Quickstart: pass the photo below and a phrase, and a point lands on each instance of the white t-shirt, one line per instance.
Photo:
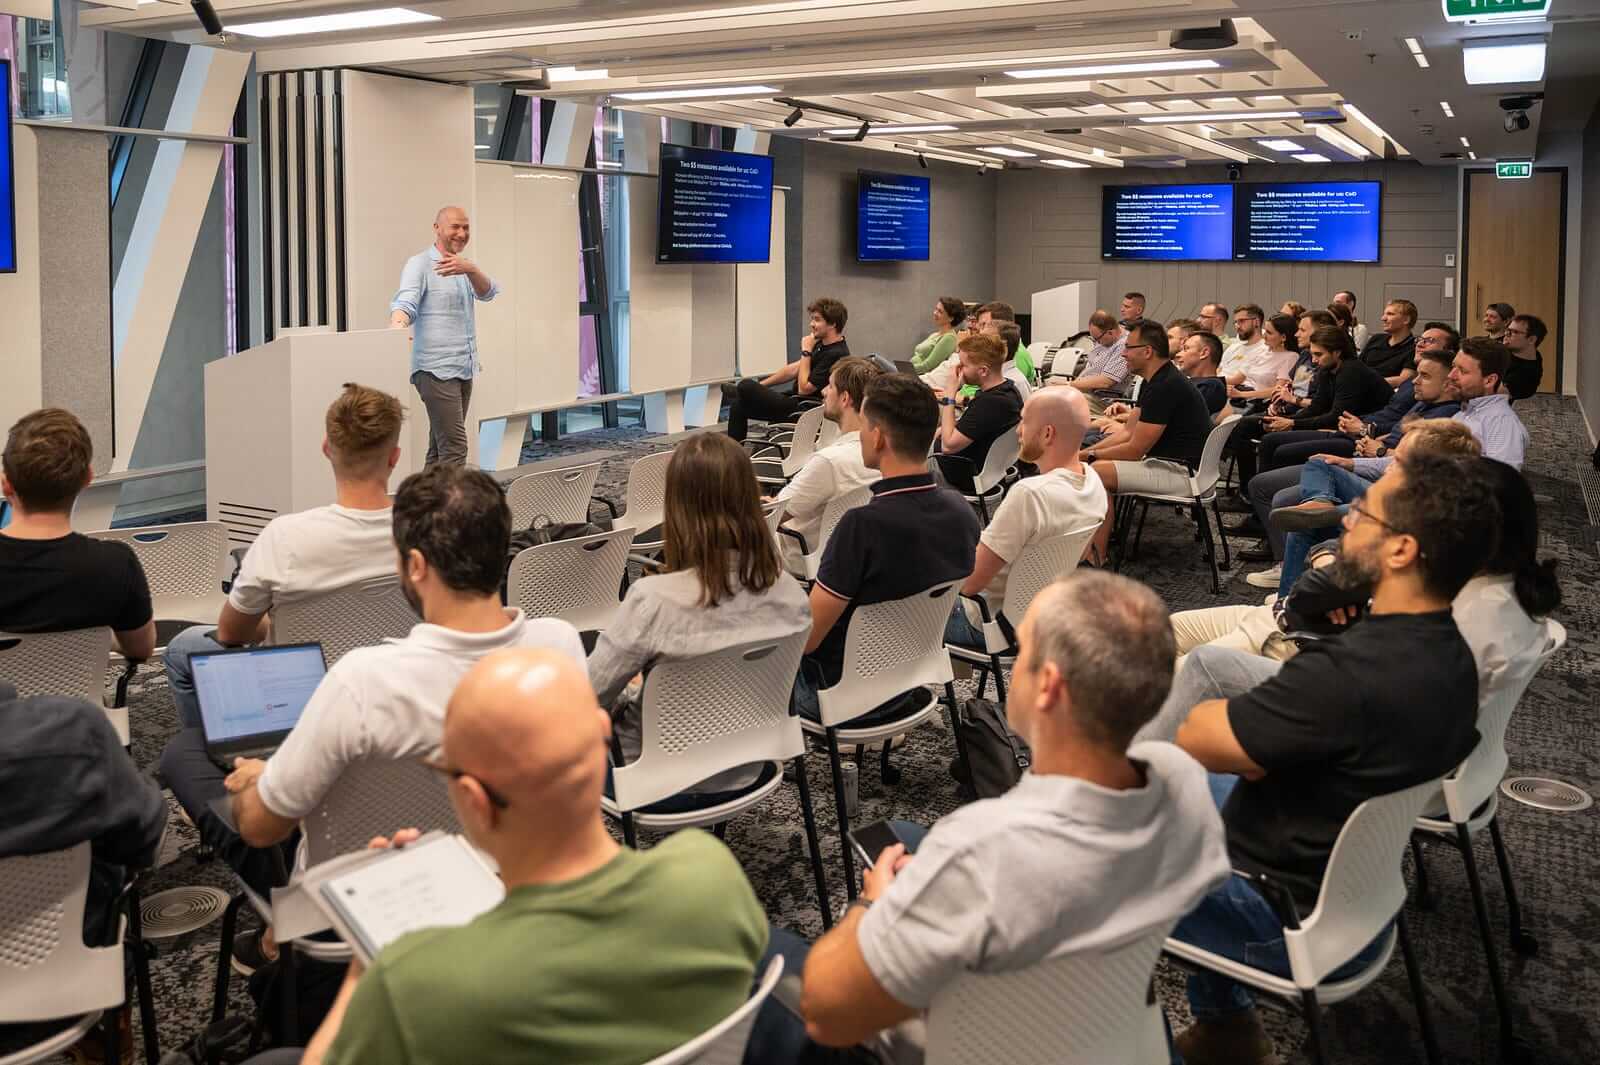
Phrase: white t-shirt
(1505, 641)
(1265, 367)
(313, 551)
(1239, 355)
(830, 472)
(388, 702)
(1035, 509)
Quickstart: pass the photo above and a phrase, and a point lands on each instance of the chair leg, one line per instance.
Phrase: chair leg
(1521, 941)
(812, 842)
(983, 680)
(999, 679)
(230, 920)
(1425, 899)
(1204, 522)
(720, 830)
(1138, 537)
(1313, 1014)
(141, 978)
(955, 729)
(844, 814)
(289, 997)
(629, 835)
(1430, 1041)
(1227, 552)
(887, 773)
(1497, 982)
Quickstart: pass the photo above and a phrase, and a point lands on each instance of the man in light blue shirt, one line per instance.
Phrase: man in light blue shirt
(437, 291)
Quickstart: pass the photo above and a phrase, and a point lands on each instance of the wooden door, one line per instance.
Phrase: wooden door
(1515, 253)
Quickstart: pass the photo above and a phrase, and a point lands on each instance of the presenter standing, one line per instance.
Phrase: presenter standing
(437, 291)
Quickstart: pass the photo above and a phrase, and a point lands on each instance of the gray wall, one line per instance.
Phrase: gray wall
(1049, 223)
(1589, 274)
(891, 304)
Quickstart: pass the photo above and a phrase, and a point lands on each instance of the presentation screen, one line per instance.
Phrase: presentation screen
(714, 207)
(1167, 222)
(8, 206)
(891, 217)
(1322, 221)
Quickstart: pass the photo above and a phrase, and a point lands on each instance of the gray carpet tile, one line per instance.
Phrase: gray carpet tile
(1557, 992)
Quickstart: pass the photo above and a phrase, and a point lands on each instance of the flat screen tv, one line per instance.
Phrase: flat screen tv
(892, 213)
(1167, 222)
(1308, 222)
(714, 206)
(8, 184)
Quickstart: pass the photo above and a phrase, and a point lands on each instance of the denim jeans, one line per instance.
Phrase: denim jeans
(180, 674)
(1209, 672)
(1296, 546)
(961, 631)
(1327, 483)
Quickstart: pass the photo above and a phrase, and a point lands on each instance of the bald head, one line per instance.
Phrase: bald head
(1053, 423)
(451, 230)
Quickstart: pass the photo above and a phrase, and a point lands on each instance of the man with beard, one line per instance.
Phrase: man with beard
(993, 409)
(451, 531)
(438, 288)
(1063, 497)
(1294, 748)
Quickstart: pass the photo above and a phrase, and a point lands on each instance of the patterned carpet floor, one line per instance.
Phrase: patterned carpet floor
(1557, 992)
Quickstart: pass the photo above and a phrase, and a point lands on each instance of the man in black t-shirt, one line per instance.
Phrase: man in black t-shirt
(1199, 359)
(910, 537)
(993, 411)
(820, 348)
(51, 578)
(1389, 704)
(1393, 352)
(1160, 444)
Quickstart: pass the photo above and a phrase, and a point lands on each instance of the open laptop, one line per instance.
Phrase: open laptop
(251, 697)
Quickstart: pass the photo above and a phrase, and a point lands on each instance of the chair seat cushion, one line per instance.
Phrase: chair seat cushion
(690, 801)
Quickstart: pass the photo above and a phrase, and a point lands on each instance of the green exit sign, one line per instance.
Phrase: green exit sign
(1494, 10)
(1514, 169)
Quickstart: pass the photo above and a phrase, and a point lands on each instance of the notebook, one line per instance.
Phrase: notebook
(251, 697)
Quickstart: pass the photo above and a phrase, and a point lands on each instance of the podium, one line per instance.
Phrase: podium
(1063, 311)
(265, 421)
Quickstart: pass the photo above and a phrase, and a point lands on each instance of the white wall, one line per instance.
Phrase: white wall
(19, 292)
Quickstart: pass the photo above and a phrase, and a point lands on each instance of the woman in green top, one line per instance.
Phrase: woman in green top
(948, 313)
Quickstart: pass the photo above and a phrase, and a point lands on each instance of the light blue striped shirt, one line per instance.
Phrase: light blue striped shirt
(444, 330)
(1497, 427)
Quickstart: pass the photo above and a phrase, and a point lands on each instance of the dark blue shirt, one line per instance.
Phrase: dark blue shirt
(1419, 410)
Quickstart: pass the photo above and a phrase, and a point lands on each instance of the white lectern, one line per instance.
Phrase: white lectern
(265, 410)
(1063, 311)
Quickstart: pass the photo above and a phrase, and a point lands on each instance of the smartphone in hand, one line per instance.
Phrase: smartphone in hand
(870, 840)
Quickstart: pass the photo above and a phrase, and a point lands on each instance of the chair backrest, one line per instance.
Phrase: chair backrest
(180, 561)
(570, 578)
(710, 713)
(1040, 563)
(373, 798)
(834, 511)
(57, 663)
(725, 1044)
(889, 649)
(45, 970)
(1003, 453)
(1362, 888)
(828, 433)
(560, 495)
(645, 500)
(1088, 1008)
(1476, 779)
(1206, 477)
(808, 429)
(362, 614)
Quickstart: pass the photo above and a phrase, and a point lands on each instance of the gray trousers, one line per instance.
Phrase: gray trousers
(446, 401)
(1209, 672)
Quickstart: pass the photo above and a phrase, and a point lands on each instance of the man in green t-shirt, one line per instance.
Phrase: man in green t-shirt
(598, 954)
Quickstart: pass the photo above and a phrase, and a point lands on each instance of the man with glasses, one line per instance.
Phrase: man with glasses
(1244, 359)
(1295, 747)
(1214, 318)
(1522, 338)
(1106, 368)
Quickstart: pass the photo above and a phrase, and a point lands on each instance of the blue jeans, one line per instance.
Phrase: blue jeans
(1236, 922)
(1296, 546)
(962, 632)
(180, 674)
(1324, 482)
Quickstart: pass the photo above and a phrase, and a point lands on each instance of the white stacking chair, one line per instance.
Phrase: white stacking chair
(185, 566)
(890, 649)
(989, 481)
(360, 614)
(559, 495)
(784, 460)
(835, 510)
(705, 715)
(62, 663)
(1036, 566)
(1471, 800)
(644, 501)
(1088, 1008)
(578, 580)
(1202, 490)
(46, 972)
(725, 1044)
(1363, 890)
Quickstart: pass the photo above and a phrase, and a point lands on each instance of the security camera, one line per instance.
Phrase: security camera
(1516, 109)
(1234, 171)
(1516, 121)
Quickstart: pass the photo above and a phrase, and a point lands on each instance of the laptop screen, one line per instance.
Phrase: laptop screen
(255, 691)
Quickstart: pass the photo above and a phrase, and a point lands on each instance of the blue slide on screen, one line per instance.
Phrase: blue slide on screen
(1324, 221)
(892, 212)
(714, 206)
(8, 207)
(1167, 222)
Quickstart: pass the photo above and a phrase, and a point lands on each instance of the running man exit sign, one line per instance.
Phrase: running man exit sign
(1514, 169)
(1494, 10)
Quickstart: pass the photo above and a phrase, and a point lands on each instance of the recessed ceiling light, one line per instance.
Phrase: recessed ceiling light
(555, 74)
(1422, 60)
(1313, 157)
(1101, 152)
(1444, 105)
(348, 20)
(1281, 145)
(1009, 153)
(699, 94)
(1465, 143)
(1472, 155)
(1067, 164)
(480, 147)
(1503, 60)
(1342, 141)
(1411, 43)
(1105, 69)
(1273, 96)
(1235, 116)
(894, 129)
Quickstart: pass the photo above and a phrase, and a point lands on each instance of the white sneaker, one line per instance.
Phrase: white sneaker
(1267, 578)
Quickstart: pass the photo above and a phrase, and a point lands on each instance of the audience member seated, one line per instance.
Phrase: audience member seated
(1131, 309)
(1099, 844)
(1161, 443)
(51, 578)
(1522, 337)
(1199, 359)
(1243, 361)
(1293, 308)
(1009, 334)
(1477, 373)
(1289, 397)
(1295, 748)
(1106, 368)
(821, 347)
(1358, 332)
(990, 316)
(911, 536)
(1179, 330)
(834, 470)
(723, 585)
(948, 315)
(1262, 372)
(1215, 318)
(314, 551)
(1497, 318)
(989, 415)
(598, 953)
(990, 319)
(1390, 352)
(1063, 497)
(452, 529)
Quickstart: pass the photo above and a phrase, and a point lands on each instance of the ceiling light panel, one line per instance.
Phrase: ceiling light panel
(1281, 145)
(1232, 116)
(1422, 60)
(1067, 164)
(1313, 157)
(1009, 153)
(929, 128)
(1112, 69)
(348, 20)
(1342, 141)
(713, 93)
(1503, 60)
(559, 74)
(1444, 105)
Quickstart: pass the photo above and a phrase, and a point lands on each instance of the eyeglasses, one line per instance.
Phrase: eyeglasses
(1130, 347)
(1358, 510)
(1510, 332)
(453, 773)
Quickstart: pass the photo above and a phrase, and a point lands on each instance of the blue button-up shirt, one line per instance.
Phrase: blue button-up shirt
(444, 331)
(1500, 433)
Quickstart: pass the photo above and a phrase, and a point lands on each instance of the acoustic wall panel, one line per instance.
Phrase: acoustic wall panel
(660, 301)
(763, 333)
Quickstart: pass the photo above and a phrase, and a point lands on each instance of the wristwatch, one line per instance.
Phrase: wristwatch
(1382, 451)
(860, 901)
(947, 401)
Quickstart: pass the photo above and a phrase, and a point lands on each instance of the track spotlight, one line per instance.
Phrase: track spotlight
(794, 116)
(922, 160)
(861, 134)
(207, 16)
(983, 171)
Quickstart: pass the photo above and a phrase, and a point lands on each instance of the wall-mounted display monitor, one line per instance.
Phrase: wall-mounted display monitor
(714, 207)
(8, 184)
(892, 212)
(1167, 222)
(1312, 221)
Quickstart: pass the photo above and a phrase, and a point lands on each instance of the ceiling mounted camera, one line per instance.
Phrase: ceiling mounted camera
(1516, 109)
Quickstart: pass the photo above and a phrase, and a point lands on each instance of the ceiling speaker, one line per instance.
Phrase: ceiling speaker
(1206, 38)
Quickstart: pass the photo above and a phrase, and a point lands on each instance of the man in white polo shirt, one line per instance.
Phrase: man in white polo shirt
(834, 470)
